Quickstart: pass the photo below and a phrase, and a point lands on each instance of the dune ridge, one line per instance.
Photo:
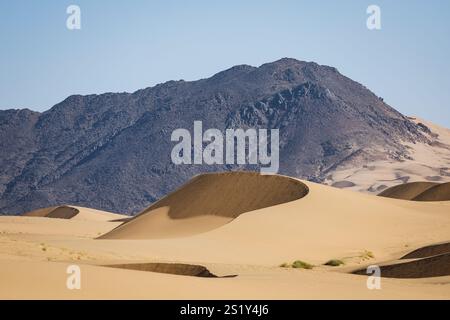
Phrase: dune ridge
(419, 191)
(407, 191)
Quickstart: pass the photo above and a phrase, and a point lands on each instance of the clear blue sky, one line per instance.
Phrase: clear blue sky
(128, 45)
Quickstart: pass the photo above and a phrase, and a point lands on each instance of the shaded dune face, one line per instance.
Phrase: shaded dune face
(429, 251)
(429, 261)
(407, 191)
(207, 202)
(60, 212)
(435, 266)
(181, 269)
(230, 194)
(419, 191)
(439, 192)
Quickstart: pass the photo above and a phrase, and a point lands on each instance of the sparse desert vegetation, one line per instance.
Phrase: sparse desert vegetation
(366, 255)
(334, 263)
(297, 264)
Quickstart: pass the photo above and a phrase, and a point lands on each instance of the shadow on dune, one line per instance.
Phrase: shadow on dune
(60, 212)
(429, 251)
(121, 219)
(181, 269)
(436, 266)
(419, 191)
(431, 261)
(440, 192)
(407, 191)
(230, 194)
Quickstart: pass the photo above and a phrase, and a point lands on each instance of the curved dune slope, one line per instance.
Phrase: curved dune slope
(407, 191)
(74, 212)
(440, 192)
(207, 202)
(328, 223)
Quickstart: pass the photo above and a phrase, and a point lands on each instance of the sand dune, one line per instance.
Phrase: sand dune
(327, 223)
(407, 191)
(73, 212)
(429, 251)
(181, 269)
(439, 192)
(61, 212)
(419, 191)
(435, 266)
(207, 202)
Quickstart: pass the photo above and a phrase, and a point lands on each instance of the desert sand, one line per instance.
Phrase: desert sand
(225, 236)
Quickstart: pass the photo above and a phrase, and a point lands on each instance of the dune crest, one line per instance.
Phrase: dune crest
(207, 202)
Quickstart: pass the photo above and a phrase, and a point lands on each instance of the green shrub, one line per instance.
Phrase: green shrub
(301, 265)
(334, 262)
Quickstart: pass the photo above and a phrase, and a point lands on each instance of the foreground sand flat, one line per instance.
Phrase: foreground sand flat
(255, 283)
(326, 223)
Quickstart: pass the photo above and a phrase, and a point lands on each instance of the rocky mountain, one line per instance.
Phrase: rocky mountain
(112, 151)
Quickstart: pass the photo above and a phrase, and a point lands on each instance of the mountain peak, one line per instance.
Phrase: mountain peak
(287, 62)
(233, 72)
